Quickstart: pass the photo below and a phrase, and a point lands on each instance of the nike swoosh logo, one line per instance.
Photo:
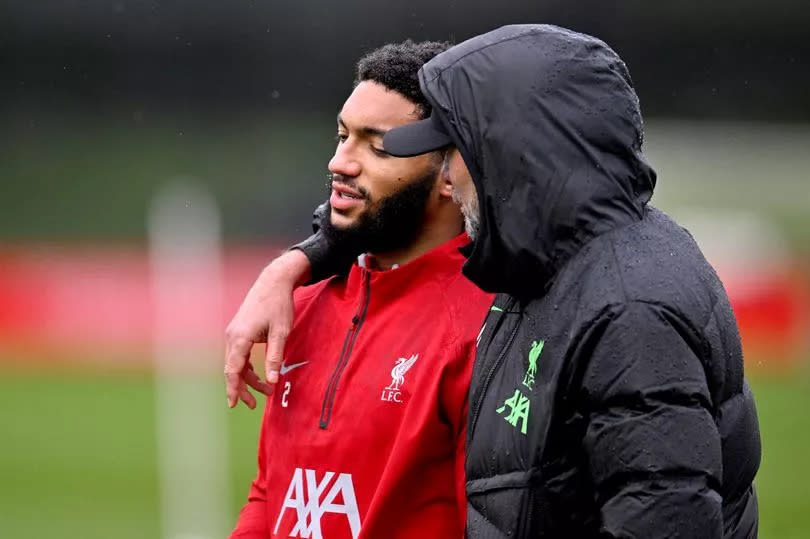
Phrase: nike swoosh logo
(287, 368)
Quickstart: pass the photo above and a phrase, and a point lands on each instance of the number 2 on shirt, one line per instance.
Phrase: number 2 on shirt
(287, 387)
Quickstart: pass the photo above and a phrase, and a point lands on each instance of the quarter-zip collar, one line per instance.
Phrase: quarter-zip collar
(392, 282)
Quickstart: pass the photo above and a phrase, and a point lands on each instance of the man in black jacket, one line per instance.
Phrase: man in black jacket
(608, 397)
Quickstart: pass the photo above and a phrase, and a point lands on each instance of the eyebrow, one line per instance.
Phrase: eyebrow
(365, 130)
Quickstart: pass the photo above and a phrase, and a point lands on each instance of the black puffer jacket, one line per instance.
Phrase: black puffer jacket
(608, 397)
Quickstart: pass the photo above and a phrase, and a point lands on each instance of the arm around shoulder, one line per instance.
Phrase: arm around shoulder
(266, 315)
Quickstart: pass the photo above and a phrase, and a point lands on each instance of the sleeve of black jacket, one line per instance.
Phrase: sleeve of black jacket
(651, 441)
(325, 259)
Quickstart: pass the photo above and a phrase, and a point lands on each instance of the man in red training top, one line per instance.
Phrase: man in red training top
(364, 436)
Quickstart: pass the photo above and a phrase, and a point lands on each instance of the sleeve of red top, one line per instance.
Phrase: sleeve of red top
(454, 391)
(252, 522)
(461, 477)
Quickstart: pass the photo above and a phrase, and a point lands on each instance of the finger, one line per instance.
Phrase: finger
(247, 398)
(237, 355)
(274, 356)
(255, 382)
(232, 388)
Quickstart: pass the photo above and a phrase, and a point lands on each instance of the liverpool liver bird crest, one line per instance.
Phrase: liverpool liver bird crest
(399, 370)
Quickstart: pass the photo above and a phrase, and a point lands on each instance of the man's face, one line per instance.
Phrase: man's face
(377, 199)
(464, 193)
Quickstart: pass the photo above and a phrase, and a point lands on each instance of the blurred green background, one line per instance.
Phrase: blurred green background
(103, 103)
(80, 454)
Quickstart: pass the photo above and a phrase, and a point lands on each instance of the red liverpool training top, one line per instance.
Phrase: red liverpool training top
(364, 435)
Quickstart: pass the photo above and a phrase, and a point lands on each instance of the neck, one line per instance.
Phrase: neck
(431, 236)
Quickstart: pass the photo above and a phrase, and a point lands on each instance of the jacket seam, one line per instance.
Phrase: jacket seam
(675, 312)
(450, 309)
(502, 41)
(704, 346)
(612, 310)
(619, 271)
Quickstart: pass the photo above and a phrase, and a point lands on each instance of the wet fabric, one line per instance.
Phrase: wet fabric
(608, 397)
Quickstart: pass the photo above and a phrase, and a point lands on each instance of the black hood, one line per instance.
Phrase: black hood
(549, 125)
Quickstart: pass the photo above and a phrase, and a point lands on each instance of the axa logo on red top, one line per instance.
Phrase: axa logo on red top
(305, 496)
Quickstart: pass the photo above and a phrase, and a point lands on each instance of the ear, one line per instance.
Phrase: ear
(445, 187)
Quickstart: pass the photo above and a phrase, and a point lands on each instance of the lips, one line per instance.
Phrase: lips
(344, 197)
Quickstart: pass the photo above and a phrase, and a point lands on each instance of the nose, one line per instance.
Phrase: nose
(344, 161)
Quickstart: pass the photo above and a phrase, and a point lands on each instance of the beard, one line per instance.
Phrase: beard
(471, 212)
(388, 224)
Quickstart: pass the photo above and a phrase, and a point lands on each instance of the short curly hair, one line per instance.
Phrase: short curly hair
(396, 65)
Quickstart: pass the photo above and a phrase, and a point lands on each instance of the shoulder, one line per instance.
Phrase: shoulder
(639, 348)
(304, 295)
(465, 305)
(654, 261)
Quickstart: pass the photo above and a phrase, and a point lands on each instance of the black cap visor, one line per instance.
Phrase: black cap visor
(416, 138)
